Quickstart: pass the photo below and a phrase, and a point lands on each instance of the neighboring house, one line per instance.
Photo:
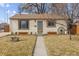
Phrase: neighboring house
(75, 26)
(39, 24)
(4, 27)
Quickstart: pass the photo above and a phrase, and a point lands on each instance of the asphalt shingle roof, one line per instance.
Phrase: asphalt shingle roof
(38, 16)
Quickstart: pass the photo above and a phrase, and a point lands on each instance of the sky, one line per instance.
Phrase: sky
(7, 10)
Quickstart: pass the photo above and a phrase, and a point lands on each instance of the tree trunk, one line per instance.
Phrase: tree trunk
(70, 35)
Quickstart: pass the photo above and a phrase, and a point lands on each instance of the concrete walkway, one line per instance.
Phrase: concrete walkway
(4, 33)
(40, 49)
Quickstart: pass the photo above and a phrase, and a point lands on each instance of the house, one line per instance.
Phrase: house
(4, 27)
(75, 26)
(38, 24)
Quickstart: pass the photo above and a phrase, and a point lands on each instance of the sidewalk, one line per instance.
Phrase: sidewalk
(40, 49)
(4, 33)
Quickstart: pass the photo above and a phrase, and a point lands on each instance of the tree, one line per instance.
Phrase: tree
(59, 8)
(34, 8)
(72, 12)
(67, 9)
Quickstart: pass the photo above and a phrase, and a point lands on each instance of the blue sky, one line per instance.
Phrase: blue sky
(7, 10)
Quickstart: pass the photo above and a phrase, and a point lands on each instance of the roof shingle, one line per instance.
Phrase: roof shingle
(38, 16)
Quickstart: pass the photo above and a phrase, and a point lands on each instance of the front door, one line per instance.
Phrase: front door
(40, 27)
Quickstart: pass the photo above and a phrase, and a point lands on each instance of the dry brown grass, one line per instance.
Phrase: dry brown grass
(62, 45)
(22, 48)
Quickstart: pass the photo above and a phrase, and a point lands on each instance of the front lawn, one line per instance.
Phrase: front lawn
(24, 47)
(61, 45)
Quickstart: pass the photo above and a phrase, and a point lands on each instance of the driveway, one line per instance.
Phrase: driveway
(4, 33)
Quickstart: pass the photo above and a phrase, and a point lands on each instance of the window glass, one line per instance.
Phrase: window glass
(23, 24)
(51, 23)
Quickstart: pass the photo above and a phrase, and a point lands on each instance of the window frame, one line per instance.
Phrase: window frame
(51, 25)
(19, 24)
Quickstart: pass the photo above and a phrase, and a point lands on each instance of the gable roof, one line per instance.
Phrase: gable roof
(38, 16)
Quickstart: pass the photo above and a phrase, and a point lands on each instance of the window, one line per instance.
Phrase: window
(51, 23)
(23, 24)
